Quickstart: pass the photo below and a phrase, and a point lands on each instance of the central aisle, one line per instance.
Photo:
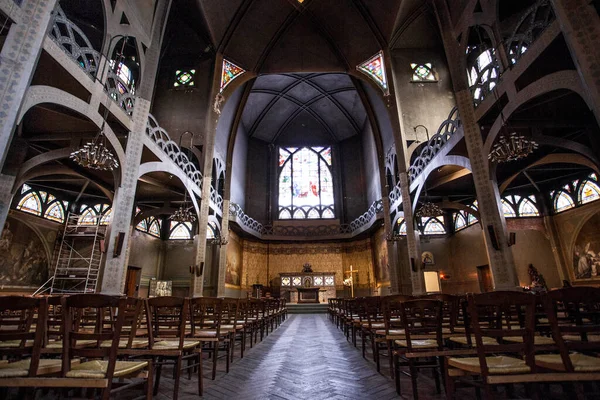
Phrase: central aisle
(306, 358)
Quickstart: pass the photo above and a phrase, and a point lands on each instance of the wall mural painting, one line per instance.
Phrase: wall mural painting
(586, 253)
(23, 259)
(233, 273)
(382, 267)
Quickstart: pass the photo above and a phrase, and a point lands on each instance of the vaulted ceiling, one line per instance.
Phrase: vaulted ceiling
(286, 108)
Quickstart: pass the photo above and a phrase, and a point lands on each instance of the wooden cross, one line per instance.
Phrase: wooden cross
(352, 271)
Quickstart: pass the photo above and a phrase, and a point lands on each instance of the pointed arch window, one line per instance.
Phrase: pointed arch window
(434, 226)
(459, 222)
(150, 225)
(305, 183)
(180, 230)
(154, 228)
(562, 201)
(507, 209)
(31, 203)
(55, 212)
(95, 214)
(401, 226)
(527, 207)
(588, 192)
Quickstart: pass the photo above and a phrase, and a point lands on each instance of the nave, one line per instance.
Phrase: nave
(305, 358)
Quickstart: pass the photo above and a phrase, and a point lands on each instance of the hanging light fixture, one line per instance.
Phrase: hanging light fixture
(96, 155)
(511, 147)
(184, 213)
(429, 209)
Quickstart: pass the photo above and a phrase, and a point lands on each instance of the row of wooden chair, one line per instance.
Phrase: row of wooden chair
(498, 338)
(91, 340)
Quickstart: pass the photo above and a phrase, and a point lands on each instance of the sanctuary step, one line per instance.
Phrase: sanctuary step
(294, 308)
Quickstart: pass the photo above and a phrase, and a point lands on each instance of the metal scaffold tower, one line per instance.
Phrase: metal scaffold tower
(79, 258)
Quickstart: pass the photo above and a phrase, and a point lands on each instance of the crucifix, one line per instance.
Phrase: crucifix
(352, 271)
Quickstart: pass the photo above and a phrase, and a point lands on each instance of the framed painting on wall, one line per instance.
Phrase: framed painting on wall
(586, 252)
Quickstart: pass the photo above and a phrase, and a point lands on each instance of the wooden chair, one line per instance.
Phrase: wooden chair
(498, 362)
(393, 328)
(206, 325)
(101, 366)
(22, 329)
(167, 317)
(371, 320)
(422, 324)
(574, 317)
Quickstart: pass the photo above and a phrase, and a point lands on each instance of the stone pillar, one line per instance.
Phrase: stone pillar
(580, 25)
(115, 268)
(412, 239)
(208, 150)
(6, 195)
(500, 256)
(412, 235)
(223, 249)
(18, 60)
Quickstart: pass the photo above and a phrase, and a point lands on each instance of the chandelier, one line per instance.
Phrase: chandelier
(183, 214)
(511, 147)
(96, 155)
(428, 209)
(218, 240)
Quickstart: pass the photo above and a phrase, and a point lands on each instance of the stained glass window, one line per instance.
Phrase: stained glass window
(527, 208)
(305, 183)
(89, 217)
(483, 73)
(589, 192)
(562, 201)
(296, 281)
(180, 230)
(25, 188)
(286, 281)
(154, 228)
(210, 234)
(507, 209)
(422, 72)
(329, 281)
(55, 212)
(31, 204)
(184, 78)
(434, 227)
(318, 281)
(142, 226)
(229, 73)
(459, 222)
(374, 68)
(401, 226)
(106, 217)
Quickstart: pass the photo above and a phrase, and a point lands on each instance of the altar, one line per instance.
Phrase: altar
(305, 287)
(308, 294)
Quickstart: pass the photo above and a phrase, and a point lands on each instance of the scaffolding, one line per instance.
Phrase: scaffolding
(79, 258)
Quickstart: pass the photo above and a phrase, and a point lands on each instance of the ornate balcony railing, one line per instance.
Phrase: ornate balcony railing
(395, 194)
(74, 42)
(448, 128)
(216, 198)
(159, 136)
(235, 210)
(530, 26)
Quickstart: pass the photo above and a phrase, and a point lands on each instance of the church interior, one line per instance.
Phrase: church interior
(252, 176)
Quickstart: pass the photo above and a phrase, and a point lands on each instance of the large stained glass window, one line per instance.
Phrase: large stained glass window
(305, 183)
(527, 208)
(42, 204)
(180, 230)
(31, 203)
(433, 226)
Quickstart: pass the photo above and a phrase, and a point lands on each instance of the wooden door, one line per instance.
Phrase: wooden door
(485, 279)
(132, 283)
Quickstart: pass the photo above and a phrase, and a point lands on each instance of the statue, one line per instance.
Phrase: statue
(307, 268)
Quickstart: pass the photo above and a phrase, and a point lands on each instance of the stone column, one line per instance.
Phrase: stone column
(412, 235)
(115, 268)
(18, 60)
(580, 25)
(412, 239)
(500, 256)
(223, 249)
(208, 150)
